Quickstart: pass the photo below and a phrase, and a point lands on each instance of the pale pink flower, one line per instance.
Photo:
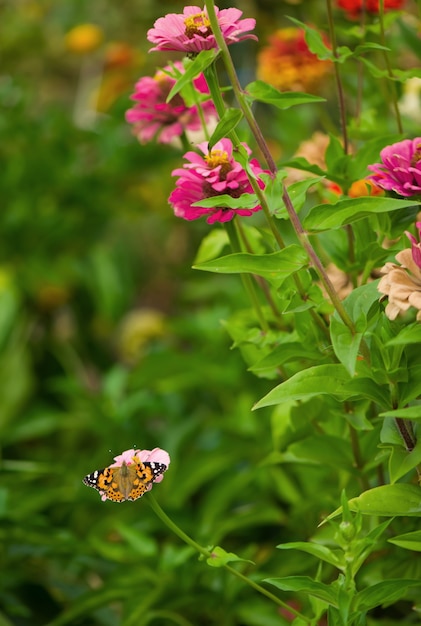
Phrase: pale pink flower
(402, 284)
(152, 116)
(157, 455)
(191, 32)
(400, 169)
(214, 174)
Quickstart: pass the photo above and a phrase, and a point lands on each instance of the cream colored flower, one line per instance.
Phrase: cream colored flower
(402, 284)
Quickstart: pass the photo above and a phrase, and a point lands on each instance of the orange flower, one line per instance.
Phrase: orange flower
(287, 63)
(364, 187)
(402, 284)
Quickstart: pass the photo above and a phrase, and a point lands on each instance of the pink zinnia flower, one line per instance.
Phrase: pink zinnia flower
(191, 31)
(400, 169)
(214, 174)
(153, 116)
(415, 245)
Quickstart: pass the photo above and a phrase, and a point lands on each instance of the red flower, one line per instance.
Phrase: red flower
(354, 7)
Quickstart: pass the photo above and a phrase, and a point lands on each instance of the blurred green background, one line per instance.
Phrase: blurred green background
(109, 340)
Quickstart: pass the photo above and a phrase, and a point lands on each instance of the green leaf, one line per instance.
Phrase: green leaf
(220, 558)
(407, 334)
(285, 352)
(297, 193)
(409, 413)
(408, 541)
(389, 500)
(226, 124)
(313, 381)
(314, 41)
(305, 584)
(345, 344)
(193, 69)
(301, 163)
(245, 201)
(263, 92)
(212, 245)
(387, 591)
(402, 462)
(275, 267)
(326, 216)
(321, 552)
(322, 450)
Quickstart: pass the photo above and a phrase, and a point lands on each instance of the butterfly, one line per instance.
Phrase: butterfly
(129, 481)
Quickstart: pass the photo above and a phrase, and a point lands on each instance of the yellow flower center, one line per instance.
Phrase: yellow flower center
(197, 24)
(219, 157)
(416, 156)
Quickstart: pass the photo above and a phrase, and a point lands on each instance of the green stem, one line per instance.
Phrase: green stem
(246, 278)
(339, 86)
(209, 555)
(248, 114)
(389, 68)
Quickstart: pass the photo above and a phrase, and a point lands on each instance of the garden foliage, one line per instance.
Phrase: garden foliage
(211, 254)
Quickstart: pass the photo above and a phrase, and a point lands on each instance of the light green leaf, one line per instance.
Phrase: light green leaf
(389, 500)
(193, 69)
(326, 216)
(226, 124)
(408, 541)
(220, 558)
(212, 245)
(305, 584)
(313, 381)
(245, 201)
(263, 92)
(275, 267)
(409, 413)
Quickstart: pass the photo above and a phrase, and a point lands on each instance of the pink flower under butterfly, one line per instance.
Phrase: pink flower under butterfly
(153, 117)
(132, 474)
(191, 32)
(214, 174)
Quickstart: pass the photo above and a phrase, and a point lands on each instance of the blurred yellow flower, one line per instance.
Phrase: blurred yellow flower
(84, 38)
(137, 329)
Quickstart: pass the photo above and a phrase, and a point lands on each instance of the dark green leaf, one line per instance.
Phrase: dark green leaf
(387, 591)
(325, 216)
(193, 69)
(305, 584)
(226, 124)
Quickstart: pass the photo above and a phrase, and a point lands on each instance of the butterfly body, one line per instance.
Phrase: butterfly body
(129, 481)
